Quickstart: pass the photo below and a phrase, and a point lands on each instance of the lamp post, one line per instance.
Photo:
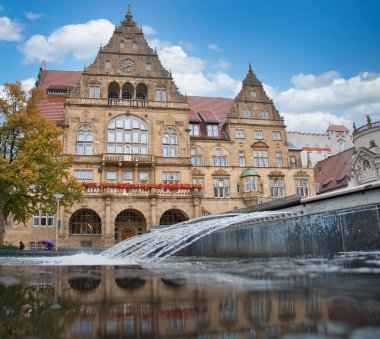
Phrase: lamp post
(58, 197)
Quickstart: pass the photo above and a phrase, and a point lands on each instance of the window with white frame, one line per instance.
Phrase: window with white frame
(264, 115)
(276, 135)
(171, 177)
(83, 175)
(221, 187)
(32, 246)
(276, 186)
(196, 158)
(160, 94)
(219, 159)
(212, 130)
(84, 142)
(239, 134)
(148, 66)
(199, 181)
(144, 177)
(250, 184)
(169, 143)
(246, 113)
(122, 44)
(128, 177)
(107, 64)
(258, 134)
(134, 45)
(302, 186)
(279, 159)
(253, 94)
(292, 162)
(111, 177)
(241, 158)
(194, 130)
(260, 158)
(43, 219)
(94, 92)
(40, 246)
(127, 134)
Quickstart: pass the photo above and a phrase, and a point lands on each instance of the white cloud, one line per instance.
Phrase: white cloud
(32, 16)
(190, 74)
(28, 84)
(10, 30)
(81, 40)
(317, 100)
(148, 30)
(214, 47)
(222, 64)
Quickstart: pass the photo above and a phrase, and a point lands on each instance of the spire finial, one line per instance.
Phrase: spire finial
(129, 13)
(249, 66)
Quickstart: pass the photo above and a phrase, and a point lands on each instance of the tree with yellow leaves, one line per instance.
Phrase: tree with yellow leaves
(32, 167)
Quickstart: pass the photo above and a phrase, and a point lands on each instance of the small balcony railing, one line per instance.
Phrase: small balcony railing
(128, 102)
(128, 158)
(368, 126)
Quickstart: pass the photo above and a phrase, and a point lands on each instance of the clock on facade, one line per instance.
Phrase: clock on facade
(128, 65)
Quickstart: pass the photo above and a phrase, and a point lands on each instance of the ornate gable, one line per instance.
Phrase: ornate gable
(259, 144)
(195, 172)
(301, 173)
(221, 173)
(276, 173)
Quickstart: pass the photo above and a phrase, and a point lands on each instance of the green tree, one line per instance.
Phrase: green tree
(32, 167)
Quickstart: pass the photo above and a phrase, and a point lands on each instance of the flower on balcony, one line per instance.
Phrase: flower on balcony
(144, 187)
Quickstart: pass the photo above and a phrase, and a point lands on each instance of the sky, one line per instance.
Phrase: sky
(319, 60)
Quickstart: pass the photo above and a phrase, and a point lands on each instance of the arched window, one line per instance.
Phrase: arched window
(169, 143)
(171, 217)
(113, 90)
(85, 221)
(127, 134)
(127, 91)
(141, 92)
(85, 140)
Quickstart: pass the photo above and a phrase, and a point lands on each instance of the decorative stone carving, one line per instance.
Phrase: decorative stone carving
(220, 172)
(276, 173)
(259, 144)
(196, 172)
(301, 173)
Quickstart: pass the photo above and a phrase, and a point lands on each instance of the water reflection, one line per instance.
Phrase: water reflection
(125, 301)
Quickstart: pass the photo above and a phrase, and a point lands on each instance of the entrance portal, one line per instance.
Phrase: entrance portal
(129, 223)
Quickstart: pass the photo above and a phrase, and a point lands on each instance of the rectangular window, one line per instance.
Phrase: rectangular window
(260, 158)
(276, 186)
(32, 246)
(221, 187)
(302, 187)
(107, 64)
(144, 177)
(196, 160)
(212, 130)
(111, 177)
(43, 219)
(219, 161)
(258, 134)
(276, 135)
(264, 115)
(148, 66)
(246, 113)
(171, 178)
(160, 94)
(239, 134)
(199, 181)
(83, 175)
(128, 177)
(279, 159)
(293, 162)
(241, 159)
(94, 92)
(194, 130)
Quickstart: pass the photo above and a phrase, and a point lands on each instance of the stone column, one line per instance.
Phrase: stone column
(196, 203)
(136, 174)
(153, 199)
(109, 232)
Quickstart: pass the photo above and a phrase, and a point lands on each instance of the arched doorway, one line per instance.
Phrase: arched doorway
(129, 223)
(171, 217)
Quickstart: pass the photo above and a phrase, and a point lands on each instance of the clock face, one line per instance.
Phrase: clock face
(128, 65)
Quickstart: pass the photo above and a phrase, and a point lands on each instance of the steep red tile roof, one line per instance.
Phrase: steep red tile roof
(219, 106)
(194, 117)
(337, 128)
(209, 117)
(52, 106)
(327, 149)
(332, 173)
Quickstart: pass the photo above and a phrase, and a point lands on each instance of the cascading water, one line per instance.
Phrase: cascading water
(162, 243)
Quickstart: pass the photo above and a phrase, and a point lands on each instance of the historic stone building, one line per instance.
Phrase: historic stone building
(141, 148)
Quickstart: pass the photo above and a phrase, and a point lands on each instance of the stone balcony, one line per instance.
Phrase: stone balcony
(123, 159)
(139, 192)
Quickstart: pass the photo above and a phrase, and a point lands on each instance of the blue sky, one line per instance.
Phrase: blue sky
(319, 60)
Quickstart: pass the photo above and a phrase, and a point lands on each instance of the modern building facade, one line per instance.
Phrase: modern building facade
(148, 155)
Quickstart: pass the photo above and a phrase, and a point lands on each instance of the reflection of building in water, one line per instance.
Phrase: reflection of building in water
(121, 301)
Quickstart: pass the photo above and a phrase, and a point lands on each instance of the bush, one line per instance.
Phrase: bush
(8, 247)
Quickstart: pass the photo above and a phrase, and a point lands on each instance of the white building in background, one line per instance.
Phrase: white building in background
(319, 146)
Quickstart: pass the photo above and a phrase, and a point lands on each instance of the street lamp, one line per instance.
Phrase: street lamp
(58, 197)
